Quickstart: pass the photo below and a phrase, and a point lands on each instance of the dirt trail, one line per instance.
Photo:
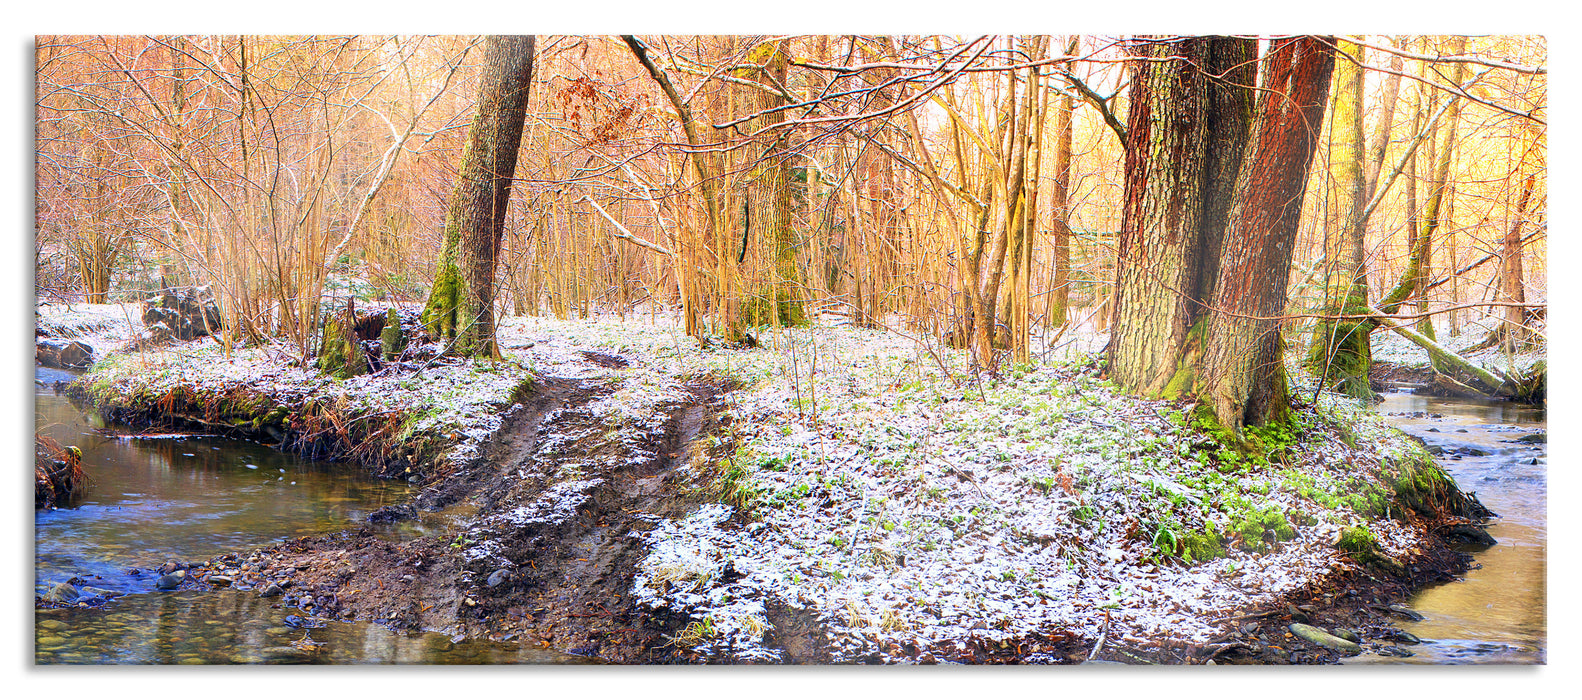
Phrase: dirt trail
(541, 549)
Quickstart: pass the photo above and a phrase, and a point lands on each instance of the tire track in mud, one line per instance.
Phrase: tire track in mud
(542, 547)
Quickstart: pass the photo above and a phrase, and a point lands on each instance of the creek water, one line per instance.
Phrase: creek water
(1496, 613)
(187, 499)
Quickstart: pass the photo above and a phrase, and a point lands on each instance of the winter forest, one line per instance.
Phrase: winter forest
(809, 349)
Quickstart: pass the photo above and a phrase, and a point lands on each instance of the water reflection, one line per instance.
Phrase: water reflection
(154, 500)
(1497, 613)
(230, 627)
(184, 499)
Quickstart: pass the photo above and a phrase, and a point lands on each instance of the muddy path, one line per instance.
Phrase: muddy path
(540, 548)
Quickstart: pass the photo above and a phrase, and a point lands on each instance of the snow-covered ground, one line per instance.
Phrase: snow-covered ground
(903, 506)
(899, 499)
(107, 328)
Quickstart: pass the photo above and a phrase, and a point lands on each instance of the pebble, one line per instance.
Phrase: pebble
(51, 624)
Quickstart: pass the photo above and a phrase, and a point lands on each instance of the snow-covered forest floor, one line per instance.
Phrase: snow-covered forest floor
(875, 483)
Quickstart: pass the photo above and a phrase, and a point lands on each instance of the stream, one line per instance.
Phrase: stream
(1496, 613)
(186, 499)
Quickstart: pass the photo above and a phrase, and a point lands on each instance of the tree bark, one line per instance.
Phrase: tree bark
(1514, 330)
(706, 183)
(1185, 131)
(1423, 224)
(461, 306)
(1243, 376)
(1060, 206)
(769, 187)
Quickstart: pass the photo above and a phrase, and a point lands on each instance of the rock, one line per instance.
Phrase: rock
(1534, 439)
(219, 580)
(498, 577)
(1396, 652)
(184, 313)
(1347, 635)
(1324, 639)
(1401, 611)
(1469, 534)
(270, 591)
(63, 593)
(168, 582)
(51, 625)
(395, 513)
(1405, 637)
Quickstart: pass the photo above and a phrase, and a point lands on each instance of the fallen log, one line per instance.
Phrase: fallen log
(1466, 374)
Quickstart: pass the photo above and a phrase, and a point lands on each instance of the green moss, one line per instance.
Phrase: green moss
(1357, 540)
(1184, 381)
(1360, 543)
(759, 310)
(1202, 546)
(1259, 528)
(1418, 482)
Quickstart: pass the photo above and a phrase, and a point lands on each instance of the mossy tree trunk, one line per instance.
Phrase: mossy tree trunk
(1340, 353)
(460, 308)
(769, 189)
(340, 350)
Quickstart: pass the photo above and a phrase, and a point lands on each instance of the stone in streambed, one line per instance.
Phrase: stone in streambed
(1405, 637)
(1324, 639)
(1469, 534)
(170, 582)
(1347, 635)
(63, 593)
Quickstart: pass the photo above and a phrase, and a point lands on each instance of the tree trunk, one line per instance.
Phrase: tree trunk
(1185, 131)
(769, 189)
(1341, 354)
(461, 306)
(1243, 376)
(1060, 192)
(1514, 330)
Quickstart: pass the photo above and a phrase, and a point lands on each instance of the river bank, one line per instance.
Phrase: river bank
(835, 495)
